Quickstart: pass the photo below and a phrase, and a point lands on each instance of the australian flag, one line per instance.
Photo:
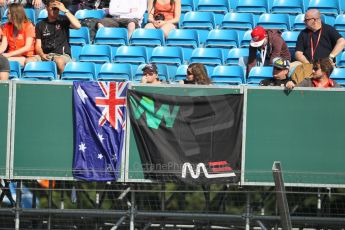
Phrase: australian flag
(99, 127)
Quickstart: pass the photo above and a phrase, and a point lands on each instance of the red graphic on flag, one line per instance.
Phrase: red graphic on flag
(219, 166)
(113, 102)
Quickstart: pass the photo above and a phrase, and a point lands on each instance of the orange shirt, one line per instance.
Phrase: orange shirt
(18, 42)
(166, 9)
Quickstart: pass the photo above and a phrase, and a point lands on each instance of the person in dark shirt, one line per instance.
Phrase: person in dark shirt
(269, 45)
(150, 74)
(52, 35)
(318, 40)
(281, 68)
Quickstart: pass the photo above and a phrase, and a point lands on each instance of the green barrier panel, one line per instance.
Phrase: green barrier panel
(134, 169)
(4, 98)
(43, 139)
(304, 130)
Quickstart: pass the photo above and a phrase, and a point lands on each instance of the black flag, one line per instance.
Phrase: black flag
(197, 139)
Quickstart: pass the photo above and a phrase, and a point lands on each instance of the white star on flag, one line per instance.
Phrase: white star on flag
(100, 136)
(82, 147)
(100, 156)
(82, 94)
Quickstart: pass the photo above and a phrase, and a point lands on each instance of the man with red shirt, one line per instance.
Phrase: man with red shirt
(322, 69)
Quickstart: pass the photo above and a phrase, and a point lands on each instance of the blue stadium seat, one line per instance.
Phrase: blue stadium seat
(147, 37)
(235, 54)
(162, 69)
(183, 38)
(79, 71)
(169, 55)
(287, 7)
(257, 74)
(198, 20)
(252, 6)
(181, 73)
(327, 7)
(82, 14)
(247, 37)
(339, 23)
(274, 21)
(131, 54)
(290, 38)
(338, 75)
(210, 57)
(187, 39)
(15, 70)
(79, 36)
(219, 8)
(243, 21)
(187, 5)
(45, 70)
(42, 15)
(298, 23)
(115, 72)
(222, 39)
(111, 36)
(75, 52)
(229, 75)
(96, 53)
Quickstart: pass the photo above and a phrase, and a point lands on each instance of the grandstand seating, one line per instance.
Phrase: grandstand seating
(230, 75)
(219, 8)
(42, 15)
(115, 72)
(222, 39)
(181, 73)
(111, 36)
(338, 75)
(15, 70)
(252, 6)
(274, 21)
(79, 37)
(96, 53)
(210, 57)
(40, 71)
(188, 39)
(147, 37)
(235, 54)
(242, 21)
(80, 71)
(287, 7)
(327, 7)
(83, 14)
(247, 37)
(257, 74)
(339, 23)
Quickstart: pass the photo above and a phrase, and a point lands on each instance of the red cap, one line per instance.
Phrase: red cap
(258, 36)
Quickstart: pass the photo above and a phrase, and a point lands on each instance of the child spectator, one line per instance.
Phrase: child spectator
(281, 68)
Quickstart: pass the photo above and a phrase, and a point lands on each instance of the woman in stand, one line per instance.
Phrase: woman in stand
(196, 74)
(163, 14)
(18, 40)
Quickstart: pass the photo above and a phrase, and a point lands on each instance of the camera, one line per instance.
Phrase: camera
(159, 17)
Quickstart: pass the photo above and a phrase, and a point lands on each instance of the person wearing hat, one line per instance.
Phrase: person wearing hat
(150, 74)
(267, 45)
(322, 69)
(281, 68)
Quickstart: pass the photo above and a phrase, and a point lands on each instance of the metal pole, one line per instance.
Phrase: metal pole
(18, 204)
(62, 195)
(248, 211)
(131, 224)
(50, 198)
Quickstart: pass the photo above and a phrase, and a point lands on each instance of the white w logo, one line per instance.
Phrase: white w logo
(202, 166)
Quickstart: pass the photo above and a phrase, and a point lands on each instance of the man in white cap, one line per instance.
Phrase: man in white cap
(267, 45)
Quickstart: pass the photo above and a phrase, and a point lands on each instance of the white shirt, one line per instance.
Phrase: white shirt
(128, 8)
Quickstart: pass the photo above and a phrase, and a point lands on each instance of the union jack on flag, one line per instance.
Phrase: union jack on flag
(113, 102)
(99, 123)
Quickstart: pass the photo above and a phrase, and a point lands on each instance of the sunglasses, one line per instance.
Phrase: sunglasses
(315, 68)
(189, 72)
(309, 19)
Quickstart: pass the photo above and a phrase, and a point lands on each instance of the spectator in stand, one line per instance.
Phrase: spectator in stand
(18, 38)
(37, 5)
(280, 73)
(322, 69)
(318, 40)
(196, 74)
(163, 14)
(150, 75)
(125, 13)
(269, 44)
(52, 35)
(4, 68)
